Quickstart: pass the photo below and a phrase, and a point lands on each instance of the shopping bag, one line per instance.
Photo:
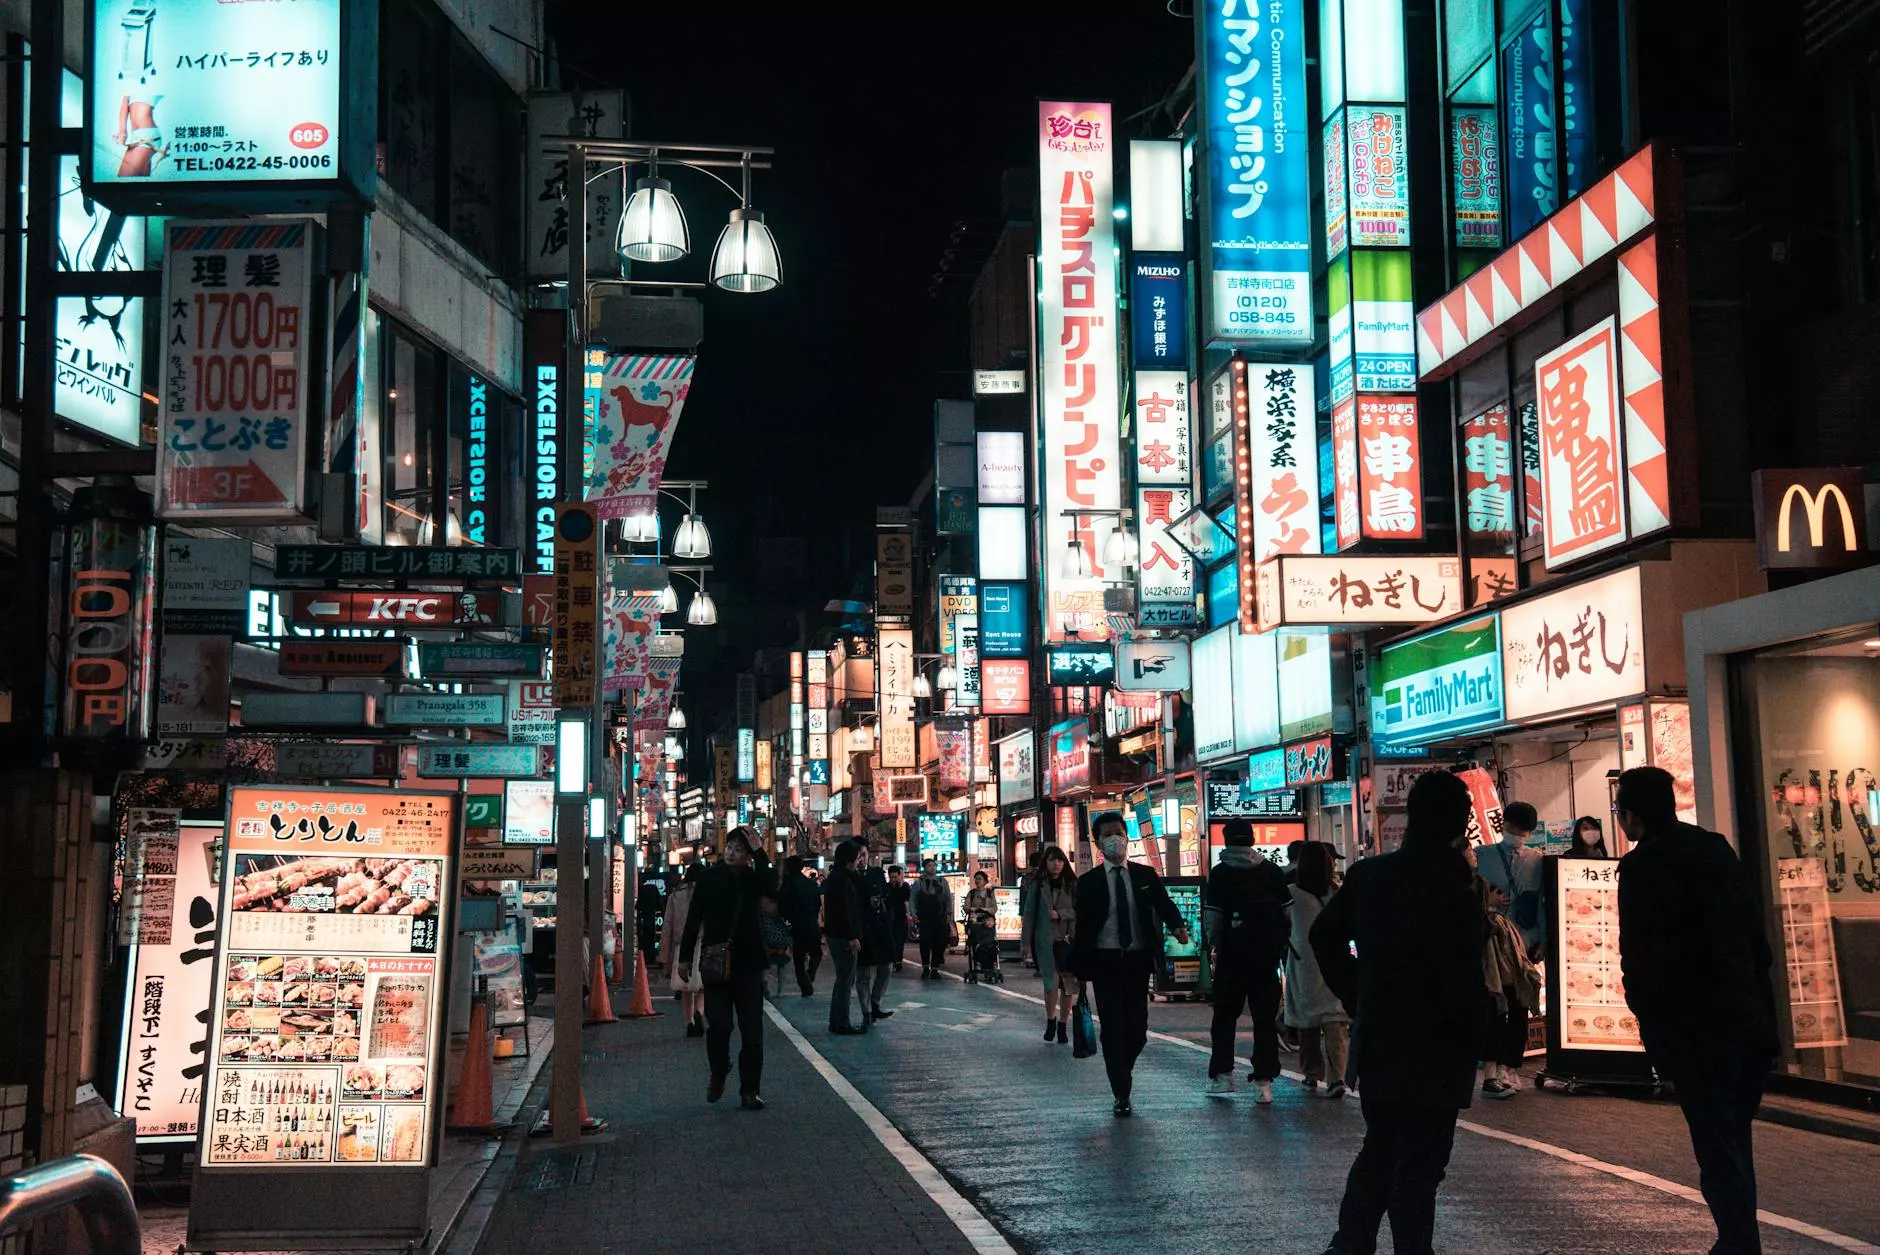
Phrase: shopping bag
(1083, 1030)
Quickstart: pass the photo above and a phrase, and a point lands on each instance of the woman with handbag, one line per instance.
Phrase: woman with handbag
(725, 939)
(690, 989)
(1050, 916)
(1311, 1007)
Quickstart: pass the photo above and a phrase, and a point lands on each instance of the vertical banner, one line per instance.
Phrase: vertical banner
(894, 573)
(966, 689)
(589, 115)
(237, 333)
(1256, 213)
(1284, 459)
(1079, 370)
(1475, 173)
(1337, 197)
(1581, 471)
(577, 611)
(636, 413)
(1380, 188)
(1346, 496)
(1390, 468)
(546, 351)
(110, 589)
(1164, 436)
(895, 700)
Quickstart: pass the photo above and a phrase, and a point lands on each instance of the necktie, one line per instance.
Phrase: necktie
(1125, 926)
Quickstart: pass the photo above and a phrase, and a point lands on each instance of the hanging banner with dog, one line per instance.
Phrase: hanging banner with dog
(640, 396)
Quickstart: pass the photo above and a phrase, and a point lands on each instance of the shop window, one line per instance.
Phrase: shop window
(1812, 754)
(409, 416)
(1468, 38)
(1544, 336)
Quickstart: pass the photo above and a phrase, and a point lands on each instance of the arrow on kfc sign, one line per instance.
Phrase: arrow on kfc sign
(394, 609)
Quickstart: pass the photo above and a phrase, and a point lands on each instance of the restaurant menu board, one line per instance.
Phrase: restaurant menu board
(1808, 953)
(166, 994)
(1593, 1012)
(499, 963)
(328, 1006)
(1009, 923)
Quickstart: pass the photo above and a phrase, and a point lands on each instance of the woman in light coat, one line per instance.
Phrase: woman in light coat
(691, 990)
(1311, 1007)
(1050, 917)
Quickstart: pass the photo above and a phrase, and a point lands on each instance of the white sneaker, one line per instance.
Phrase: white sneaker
(1221, 1086)
(1263, 1093)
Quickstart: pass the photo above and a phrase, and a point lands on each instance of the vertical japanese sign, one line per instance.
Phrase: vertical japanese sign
(959, 594)
(967, 688)
(328, 1001)
(110, 593)
(589, 115)
(1380, 192)
(1284, 459)
(1158, 323)
(1164, 439)
(577, 611)
(199, 91)
(99, 373)
(237, 330)
(1581, 468)
(1347, 498)
(1475, 176)
(895, 671)
(1256, 214)
(1079, 370)
(1337, 193)
(1488, 475)
(163, 1052)
(640, 398)
(1390, 468)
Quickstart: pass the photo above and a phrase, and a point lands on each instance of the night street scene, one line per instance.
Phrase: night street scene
(1191, 626)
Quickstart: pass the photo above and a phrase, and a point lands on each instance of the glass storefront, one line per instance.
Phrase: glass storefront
(1808, 721)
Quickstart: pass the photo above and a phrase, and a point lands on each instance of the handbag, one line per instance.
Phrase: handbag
(1083, 1030)
(714, 960)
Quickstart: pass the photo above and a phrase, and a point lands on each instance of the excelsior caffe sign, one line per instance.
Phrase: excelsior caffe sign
(1815, 518)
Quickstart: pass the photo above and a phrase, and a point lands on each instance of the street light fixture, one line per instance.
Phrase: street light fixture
(1119, 550)
(676, 720)
(947, 678)
(703, 612)
(640, 529)
(923, 688)
(692, 541)
(669, 601)
(745, 258)
(653, 227)
(1076, 563)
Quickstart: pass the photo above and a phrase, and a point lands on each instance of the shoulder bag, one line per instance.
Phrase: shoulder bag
(714, 960)
(1083, 1029)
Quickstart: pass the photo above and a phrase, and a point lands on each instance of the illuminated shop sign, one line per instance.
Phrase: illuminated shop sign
(476, 515)
(544, 443)
(1582, 646)
(1004, 621)
(1438, 684)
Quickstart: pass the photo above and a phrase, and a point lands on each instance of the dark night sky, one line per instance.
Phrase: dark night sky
(813, 404)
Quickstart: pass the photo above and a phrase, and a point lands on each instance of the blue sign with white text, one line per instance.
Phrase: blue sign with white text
(1256, 219)
(1527, 66)
(1158, 317)
(1004, 621)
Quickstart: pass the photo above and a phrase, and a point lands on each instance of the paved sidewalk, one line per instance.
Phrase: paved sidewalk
(674, 1174)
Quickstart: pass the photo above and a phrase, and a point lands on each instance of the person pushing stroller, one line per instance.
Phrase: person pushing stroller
(982, 933)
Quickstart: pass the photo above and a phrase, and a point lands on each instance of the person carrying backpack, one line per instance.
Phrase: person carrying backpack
(1244, 922)
(933, 911)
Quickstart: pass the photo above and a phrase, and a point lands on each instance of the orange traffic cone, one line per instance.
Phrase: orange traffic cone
(641, 1005)
(471, 1107)
(600, 1008)
(590, 1125)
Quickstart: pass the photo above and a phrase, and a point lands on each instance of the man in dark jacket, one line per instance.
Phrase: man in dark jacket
(801, 903)
(1121, 909)
(842, 924)
(871, 961)
(1418, 1003)
(933, 910)
(1244, 922)
(1696, 963)
(900, 895)
(726, 909)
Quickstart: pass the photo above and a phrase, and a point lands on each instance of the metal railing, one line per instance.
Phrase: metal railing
(89, 1186)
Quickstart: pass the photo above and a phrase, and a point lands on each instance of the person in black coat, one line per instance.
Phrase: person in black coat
(877, 952)
(1245, 922)
(725, 909)
(900, 895)
(842, 924)
(1696, 962)
(801, 903)
(1418, 1003)
(1116, 950)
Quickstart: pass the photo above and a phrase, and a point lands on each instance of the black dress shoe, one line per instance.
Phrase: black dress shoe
(879, 1014)
(715, 1089)
(846, 1030)
(1122, 1108)
(751, 1102)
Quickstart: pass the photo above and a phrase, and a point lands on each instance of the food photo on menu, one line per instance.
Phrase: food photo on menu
(308, 1014)
(336, 885)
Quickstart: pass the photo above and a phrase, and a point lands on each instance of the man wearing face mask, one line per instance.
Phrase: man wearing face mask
(1121, 910)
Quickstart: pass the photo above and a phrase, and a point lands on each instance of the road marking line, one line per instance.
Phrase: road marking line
(969, 1220)
(1827, 1237)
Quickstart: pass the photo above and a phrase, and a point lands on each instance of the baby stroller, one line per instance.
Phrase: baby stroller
(982, 951)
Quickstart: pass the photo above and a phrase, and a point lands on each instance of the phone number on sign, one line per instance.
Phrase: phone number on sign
(204, 165)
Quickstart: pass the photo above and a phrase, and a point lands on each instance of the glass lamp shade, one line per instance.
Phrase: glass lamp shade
(1119, 550)
(674, 750)
(676, 720)
(861, 738)
(692, 541)
(1076, 563)
(703, 611)
(947, 678)
(639, 528)
(653, 226)
(669, 601)
(745, 257)
(922, 686)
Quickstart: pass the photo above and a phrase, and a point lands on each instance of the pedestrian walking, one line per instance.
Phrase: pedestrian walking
(646, 908)
(1244, 924)
(1414, 988)
(1514, 872)
(842, 924)
(800, 899)
(1696, 965)
(1050, 919)
(722, 930)
(933, 911)
(877, 952)
(689, 988)
(1589, 839)
(900, 913)
(1312, 1009)
(1514, 991)
(1121, 910)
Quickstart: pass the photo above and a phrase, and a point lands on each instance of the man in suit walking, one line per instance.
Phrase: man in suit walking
(1121, 908)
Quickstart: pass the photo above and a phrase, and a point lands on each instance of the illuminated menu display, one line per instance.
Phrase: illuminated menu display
(327, 1044)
